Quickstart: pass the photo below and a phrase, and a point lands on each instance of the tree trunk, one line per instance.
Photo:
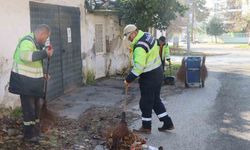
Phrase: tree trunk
(166, 35)
(216, 39)
(155, 32)
(192, 24)
(249, 38)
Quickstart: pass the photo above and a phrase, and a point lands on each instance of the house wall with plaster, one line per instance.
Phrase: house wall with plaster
(16, 23)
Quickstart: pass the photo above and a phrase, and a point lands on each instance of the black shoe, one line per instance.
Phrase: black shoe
(37, 130)
(33, 140)
(168, 125)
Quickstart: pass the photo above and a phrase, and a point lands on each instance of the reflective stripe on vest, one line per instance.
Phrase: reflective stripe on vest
(27, 70)
(149, 66)
(145, 45)
(153, 64)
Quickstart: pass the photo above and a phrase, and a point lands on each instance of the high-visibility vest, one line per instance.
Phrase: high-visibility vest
(22, 63)
(145, 53)
(164, 52)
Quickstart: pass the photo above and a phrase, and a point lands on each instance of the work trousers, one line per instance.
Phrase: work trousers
(150, 100)
(31, 110)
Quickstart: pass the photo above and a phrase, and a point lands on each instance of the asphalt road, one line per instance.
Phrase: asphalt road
(216, 117)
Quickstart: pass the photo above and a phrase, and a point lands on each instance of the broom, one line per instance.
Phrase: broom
(181, 74)
(121, 130)
(46, 115)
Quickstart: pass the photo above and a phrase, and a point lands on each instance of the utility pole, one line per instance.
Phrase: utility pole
(189, 3)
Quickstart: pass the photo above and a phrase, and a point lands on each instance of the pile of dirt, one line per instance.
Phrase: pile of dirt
(127, 142)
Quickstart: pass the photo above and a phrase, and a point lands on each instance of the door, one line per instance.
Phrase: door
(66, 65)
(70, 37)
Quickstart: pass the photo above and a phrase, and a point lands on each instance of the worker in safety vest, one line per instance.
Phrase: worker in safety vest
(164, 51)
(27, 78)
(148, 67)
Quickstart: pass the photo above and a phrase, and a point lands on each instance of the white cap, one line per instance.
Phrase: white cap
(128, 30)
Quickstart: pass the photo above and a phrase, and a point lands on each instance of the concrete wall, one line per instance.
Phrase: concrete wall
(110, 62)
(15, 23)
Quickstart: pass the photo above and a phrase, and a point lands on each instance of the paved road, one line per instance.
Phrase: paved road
(216, 117)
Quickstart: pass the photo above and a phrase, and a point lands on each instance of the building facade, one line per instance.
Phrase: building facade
(84, 43)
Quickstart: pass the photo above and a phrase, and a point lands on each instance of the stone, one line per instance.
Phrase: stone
(12, 132)
(99, 147)
(19, 136)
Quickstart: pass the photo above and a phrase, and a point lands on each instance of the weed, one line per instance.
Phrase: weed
(174, 68)
(16, 112)
(90, 77)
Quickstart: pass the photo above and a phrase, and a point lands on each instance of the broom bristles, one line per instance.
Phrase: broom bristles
(204, 73)
(47, 117)
(47, 114)
(181, 74)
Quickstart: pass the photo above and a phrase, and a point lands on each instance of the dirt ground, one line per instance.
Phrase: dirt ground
(83, 133)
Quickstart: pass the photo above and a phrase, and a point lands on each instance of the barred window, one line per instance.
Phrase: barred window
(99, 48)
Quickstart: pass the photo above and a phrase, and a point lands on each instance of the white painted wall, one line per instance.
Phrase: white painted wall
(100, 62)
(15, 22)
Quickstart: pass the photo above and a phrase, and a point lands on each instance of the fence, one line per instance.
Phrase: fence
(229, 38)
(242, 38)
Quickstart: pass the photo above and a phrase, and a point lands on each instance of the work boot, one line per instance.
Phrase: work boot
(36, 130)
(143, 130)
(33, 140)
(167, 125)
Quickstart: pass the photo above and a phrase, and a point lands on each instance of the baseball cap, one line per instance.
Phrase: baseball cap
(128, 30)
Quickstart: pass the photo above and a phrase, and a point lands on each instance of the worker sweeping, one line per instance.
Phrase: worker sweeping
(148, 67)
(27, 78)
(164, 51)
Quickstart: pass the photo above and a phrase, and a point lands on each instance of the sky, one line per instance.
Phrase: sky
(209, 3)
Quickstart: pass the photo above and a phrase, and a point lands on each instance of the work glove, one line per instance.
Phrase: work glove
(49, 49)
(168, 60)
(126, 84)
(47, 76)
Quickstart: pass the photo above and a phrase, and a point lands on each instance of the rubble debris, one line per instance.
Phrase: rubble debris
(132, 140)
(83, 134)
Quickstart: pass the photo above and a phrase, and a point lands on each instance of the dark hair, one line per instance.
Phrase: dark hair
(162, 39)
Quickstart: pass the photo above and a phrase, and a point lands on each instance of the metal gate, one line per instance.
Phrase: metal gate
(66, 63)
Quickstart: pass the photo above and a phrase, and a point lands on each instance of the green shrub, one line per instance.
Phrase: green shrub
(174, 68)
(90, 77)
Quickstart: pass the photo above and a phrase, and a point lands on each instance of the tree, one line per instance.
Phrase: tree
(233, 16)
(199, 14)
(245, 23)
(150, 13)
(215, 27)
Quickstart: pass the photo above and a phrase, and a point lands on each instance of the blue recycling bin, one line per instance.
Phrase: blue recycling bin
(193, 71)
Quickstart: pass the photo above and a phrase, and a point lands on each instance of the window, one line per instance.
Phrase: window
(99, 48)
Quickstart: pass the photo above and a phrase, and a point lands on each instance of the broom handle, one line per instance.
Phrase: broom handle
(46, 81)
(126, 98)
(170, 68)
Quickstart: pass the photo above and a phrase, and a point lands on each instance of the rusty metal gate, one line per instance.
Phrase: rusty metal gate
(66, 63)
